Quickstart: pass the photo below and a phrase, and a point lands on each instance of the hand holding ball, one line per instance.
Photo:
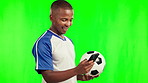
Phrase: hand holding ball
(99, 62)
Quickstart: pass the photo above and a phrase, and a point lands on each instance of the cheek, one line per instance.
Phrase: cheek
(58, 23)
(62, 23)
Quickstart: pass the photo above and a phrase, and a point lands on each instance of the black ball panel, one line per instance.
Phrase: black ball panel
(100, 61)
(90, 52)
(94, 72)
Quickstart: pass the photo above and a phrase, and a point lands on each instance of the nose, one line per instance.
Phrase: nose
(68, 24)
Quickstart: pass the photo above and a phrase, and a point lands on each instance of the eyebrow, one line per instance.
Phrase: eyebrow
(65, 18)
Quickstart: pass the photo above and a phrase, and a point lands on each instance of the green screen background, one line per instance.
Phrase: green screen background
(116, 28)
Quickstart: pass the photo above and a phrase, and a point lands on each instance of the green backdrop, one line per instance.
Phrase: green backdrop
(116, 28)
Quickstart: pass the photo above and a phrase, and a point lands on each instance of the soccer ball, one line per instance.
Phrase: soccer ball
(99, 62)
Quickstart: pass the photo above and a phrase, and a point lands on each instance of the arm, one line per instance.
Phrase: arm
(58, 76)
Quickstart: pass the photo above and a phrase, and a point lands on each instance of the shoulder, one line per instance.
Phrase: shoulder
(46, 36)
(44, 39)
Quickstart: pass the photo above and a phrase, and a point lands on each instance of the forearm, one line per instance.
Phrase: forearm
(58, 76)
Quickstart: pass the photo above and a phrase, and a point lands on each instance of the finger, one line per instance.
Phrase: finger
(91, 61)
(84, 61)
(96, 76)
(90, 65)
(88, 68)
(88, 77)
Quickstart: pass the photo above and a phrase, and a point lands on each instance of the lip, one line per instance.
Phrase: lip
(65, 29)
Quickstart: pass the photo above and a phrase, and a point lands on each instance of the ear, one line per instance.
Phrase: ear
(51, 18)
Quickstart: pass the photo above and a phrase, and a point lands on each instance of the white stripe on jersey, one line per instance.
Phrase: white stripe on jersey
(37, 50)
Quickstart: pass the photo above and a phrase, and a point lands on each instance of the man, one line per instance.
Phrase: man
(54, 52)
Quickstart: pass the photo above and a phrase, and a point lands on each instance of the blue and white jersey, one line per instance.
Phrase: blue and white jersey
(51, 52)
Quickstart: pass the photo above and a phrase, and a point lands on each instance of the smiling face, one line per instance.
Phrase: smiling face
(61, 20)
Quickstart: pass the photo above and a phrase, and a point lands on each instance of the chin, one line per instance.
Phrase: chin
(63, 32)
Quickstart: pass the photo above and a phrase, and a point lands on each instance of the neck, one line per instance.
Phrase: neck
(56, 32)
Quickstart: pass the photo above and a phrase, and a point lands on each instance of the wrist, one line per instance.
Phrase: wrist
(76, 71)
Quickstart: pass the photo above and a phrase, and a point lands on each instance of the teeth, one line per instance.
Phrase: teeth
(65, 29)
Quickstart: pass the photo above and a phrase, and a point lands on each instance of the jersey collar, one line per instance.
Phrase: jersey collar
(64, 39)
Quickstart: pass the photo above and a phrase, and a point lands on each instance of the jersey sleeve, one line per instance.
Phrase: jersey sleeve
(42, 52)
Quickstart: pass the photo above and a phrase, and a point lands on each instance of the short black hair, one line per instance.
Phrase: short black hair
(60, 4)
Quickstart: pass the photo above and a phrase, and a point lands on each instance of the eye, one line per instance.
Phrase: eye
(64, 20)
(71, 20)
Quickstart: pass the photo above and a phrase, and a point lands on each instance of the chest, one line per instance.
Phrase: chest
(62, 50)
